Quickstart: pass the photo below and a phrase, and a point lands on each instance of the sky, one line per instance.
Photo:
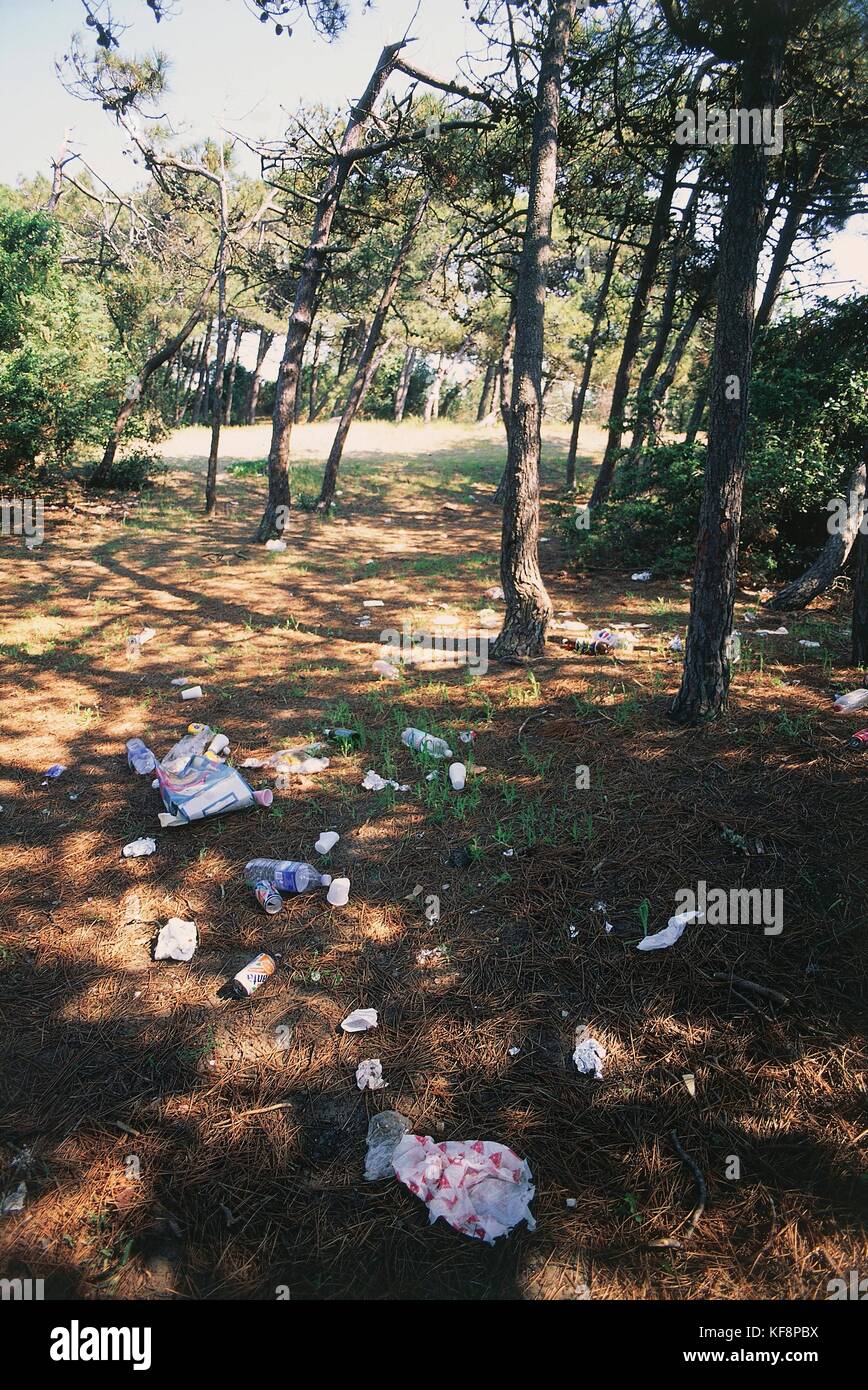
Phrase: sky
(229, 72)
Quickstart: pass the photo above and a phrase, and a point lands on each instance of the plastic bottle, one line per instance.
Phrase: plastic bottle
(588, 648)
(289, 875)
(249, 978)
(194, 743)
(854, 699)
(140, 757)
(422, 742)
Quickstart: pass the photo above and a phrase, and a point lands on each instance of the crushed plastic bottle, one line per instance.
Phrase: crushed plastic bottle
(418, 740)
(854, 699)
(193, 744)
(289, 875)
(140, 757)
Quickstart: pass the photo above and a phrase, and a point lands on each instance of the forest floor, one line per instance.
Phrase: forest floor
(177, 1145)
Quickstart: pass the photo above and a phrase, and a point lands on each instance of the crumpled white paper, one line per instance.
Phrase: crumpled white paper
(13, 1200)
(669, 934)
(373, 782)
(360, 1020)
(482, 1189)
(176, 941)
(369, 1073)
(136, 848)
(589, 1057)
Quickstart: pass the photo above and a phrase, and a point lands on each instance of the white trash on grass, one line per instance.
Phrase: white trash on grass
(369, 1075)
(359, 1021)
(669, 934)
(327, 841)
(136, 849)
(481, 1189)
(590, 1054)
(176, 941)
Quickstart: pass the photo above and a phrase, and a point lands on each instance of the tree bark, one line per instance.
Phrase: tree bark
(528, 607)
(368, 359)
(220, 360)
(432, 398)
(819, 575)
(487, 392)
(314, 377)
(504, 380)
(657, 404)
(404, 384)
(705, 679)
(636, 321)
(233, 368)
(276, 513)
(262, 351)
(580, 394)
(860, 602)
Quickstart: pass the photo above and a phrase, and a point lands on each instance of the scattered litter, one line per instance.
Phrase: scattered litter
(56, 770)
(249, 977)
(340, 733)
(14, 1200)
(690, 1082)
(339, 892)
(641, 576)
(195, 786)
(136, 849)
(370, 1074)
(419, 741)
(139, 757)
(409, 897)
(194, 693)
(508, 853)
(457, 776)
(771, 632)
(480, 1188)
(803, 642)
(327, 841)
(267, 896)
(373, 603)
(385, 1132)
(359, 1021)
(385, 668)
(669, 934)
(181, 680)
(176, 941)
(467, 736)
(494, 593)
(283, 756)
(275, 545)
(572, 1202)
(854, 699)
(289, 875)
(590, 1054)
(858, 740)
(373, 782)
(364, 622)
(432, 955)
(513, 1051)
(676, 645)
(298, 767)
(218, 744)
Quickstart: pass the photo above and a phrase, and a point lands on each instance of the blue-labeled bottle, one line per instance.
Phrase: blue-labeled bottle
(289, 875)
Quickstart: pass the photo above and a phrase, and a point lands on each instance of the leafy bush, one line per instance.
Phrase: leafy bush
(135, 471)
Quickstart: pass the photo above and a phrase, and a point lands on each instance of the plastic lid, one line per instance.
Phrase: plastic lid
(325, 880)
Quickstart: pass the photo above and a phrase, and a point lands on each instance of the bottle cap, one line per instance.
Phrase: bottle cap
(326, 880)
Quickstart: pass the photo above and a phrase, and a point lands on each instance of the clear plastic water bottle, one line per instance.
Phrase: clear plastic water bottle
(193, 744)
(140, 757)
(427, 743)
(289, 875)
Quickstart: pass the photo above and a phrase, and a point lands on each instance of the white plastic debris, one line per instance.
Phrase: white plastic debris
(369, 1074)
(275, 545)
(386, 669)
(359, 1021)
(854, 699)
(137, 848)
(803, 642)
(421, 742)
(669, 934)
(494, 593)
(457, 776)
(589, 1055)
(181, 680)
(300, 767)
(690, 1082)
(373, 603)
(513, 1051)
(482, 1189)
(194, 693)
(13, 1200)
(176, 941)
(676, 645)
(432, 955)
(327, 841)
(467, 736)
(339, 892)
(373, 782)
(771, 632)
(385, 1132)
(218, 744)
(641, 576)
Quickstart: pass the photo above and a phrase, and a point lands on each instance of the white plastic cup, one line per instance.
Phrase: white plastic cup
(457, 776)
(339, 892)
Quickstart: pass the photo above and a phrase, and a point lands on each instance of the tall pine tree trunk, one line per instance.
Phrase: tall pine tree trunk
(233, 368)
(705, 679)
(487, 393)
(220, 360)
(859, 652)
(580, 393)
(404, 383)
(819, 575)
(276, 513)
(368, 358)
(528, 607)
(262, 350)
(504, 387)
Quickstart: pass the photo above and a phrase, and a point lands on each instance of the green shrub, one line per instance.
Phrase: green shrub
(135, 471)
